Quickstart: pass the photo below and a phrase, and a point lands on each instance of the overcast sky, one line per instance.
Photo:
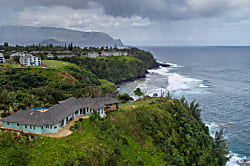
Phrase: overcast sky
(140, 22)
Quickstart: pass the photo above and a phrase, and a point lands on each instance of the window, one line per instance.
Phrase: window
(17, 124)
(8, 123)
(34, 127)
(50, 126)
(55, 126)
(30, 127)
(26, 126)
(42, 127)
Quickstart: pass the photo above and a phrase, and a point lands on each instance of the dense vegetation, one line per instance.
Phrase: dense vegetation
(158, 131)
(118, 69)
(25, 87)
(33, 87)
(154, 131)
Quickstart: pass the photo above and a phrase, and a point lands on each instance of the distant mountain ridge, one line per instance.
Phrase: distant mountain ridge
(26, 35)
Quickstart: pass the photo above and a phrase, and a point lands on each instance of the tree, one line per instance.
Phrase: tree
(221, 147)
(155, 94)
(194, 107)
(6, 44)
(138, 92)
(17, 59)
(125, 98)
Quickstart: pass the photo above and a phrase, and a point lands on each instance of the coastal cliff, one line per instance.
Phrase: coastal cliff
(120, 69)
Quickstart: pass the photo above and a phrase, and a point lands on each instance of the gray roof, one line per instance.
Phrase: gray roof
(58, 112)
(26, 117)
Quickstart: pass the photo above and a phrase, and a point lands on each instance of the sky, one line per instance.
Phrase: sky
(140, 22)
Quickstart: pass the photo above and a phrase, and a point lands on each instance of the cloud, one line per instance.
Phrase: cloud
(152, 9)
(159, 22)
(78, 19)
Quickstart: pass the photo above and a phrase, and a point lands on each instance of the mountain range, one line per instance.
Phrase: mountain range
(26, 35)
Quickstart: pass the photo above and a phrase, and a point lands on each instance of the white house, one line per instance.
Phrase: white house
(106, 53)
(63, 56)
(2, 59)
(123, 53)
(30, 60)
(20, 54)
(92, 54)
(114, 53)
(50, 55)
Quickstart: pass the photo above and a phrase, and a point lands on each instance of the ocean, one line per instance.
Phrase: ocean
(216, 77)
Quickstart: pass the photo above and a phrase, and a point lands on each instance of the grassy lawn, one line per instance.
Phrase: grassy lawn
(8, 65)
(135, 104)
(120, 58)
(53, 64)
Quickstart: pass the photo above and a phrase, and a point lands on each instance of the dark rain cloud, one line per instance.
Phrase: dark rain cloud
(152, 9)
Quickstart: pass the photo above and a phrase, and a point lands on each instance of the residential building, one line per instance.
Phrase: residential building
(106, 53)
(50, 55)
(18, 54)
(92, 54)
(50, 120)
(63, 56)
(30, 60)
(2, 59)
(114, 53)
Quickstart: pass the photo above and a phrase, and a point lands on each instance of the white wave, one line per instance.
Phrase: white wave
(236, 160)
(203, 86)
(161, 71)
(213, 127)
(172, 64)
(151, 90)
(177, 82)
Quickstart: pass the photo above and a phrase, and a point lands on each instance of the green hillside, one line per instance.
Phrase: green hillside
(118, 69)
(159, 131)
(36, 86)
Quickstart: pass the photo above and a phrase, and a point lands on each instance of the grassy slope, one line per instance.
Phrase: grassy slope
(66, 77)
(157, 132)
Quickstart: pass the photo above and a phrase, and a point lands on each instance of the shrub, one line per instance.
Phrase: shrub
(125, 98)
(72, 128)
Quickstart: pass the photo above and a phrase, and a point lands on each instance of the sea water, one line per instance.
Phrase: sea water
(216, 77)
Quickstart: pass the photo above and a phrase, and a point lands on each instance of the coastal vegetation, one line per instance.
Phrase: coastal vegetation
(157, 131)
(27, 87)
(118, 69)
(150, 131)
(34, 87)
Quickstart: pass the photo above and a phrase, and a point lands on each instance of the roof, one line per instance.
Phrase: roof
(26, 117)
(58, 112)
(62, 56)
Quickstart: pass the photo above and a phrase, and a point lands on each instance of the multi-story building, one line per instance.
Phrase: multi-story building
(2, 59)
(30, 60)
(92, 54)
(17, 54)
(114, 53)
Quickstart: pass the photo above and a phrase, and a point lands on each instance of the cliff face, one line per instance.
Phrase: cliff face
(23, 35)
